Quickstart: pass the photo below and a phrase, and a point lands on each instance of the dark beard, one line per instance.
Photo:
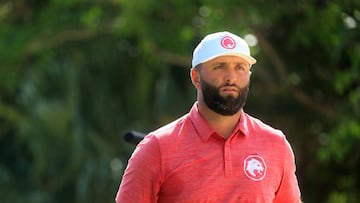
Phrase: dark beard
(226, 106)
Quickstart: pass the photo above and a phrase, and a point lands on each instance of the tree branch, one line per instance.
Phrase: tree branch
(281, 70)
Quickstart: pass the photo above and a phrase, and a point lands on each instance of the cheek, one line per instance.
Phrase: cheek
(214, 79)
(244, 80)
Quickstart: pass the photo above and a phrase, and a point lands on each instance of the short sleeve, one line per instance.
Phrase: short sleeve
(141, 179)
(289, 191)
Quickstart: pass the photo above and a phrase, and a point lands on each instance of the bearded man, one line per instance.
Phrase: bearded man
(216, 152)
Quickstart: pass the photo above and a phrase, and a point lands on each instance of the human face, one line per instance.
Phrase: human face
(224, 83)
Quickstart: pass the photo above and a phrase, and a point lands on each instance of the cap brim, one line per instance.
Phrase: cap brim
(249, 59)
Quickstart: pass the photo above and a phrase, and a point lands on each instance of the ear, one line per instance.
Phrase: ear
(195, 77)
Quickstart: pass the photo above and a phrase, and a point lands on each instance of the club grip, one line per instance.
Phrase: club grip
(134, 137)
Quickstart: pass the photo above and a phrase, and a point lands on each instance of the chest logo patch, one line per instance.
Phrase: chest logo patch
(255, 167)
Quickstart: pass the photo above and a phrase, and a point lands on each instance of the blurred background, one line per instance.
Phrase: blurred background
(75, 75)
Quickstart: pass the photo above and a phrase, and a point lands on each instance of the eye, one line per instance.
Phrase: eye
(219, 67)
(241, 67)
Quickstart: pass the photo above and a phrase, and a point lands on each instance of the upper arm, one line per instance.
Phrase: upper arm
(141, 179)
(288, 190)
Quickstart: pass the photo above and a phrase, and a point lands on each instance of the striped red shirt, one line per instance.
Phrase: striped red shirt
(187, 161)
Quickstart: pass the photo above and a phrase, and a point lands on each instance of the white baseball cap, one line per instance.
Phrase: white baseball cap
(221, 44)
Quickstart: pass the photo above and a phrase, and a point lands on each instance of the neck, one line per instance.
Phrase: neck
(223, 125)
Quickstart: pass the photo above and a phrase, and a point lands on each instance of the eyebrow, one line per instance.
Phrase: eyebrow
(224, 63)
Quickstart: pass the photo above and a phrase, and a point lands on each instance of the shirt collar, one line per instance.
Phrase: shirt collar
(243, 124)
(204, 130)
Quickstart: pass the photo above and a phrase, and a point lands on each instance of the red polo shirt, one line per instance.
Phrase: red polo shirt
(187, 161)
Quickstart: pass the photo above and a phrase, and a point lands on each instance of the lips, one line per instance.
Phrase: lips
(230, 89)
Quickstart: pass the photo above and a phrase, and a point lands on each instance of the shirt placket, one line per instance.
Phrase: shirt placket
(227, 158)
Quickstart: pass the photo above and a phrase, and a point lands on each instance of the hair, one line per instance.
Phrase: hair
(198, 66)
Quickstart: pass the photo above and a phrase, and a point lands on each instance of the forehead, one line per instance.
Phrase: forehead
(227, 60)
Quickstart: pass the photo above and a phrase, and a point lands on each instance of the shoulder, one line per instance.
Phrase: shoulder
(258, 126)
(262, 132)
(171, 131)
(158, 141)
(267, 134)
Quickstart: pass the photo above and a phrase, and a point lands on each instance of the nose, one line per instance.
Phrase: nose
(230, 76)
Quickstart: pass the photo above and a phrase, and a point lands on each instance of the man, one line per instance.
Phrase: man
(216, 152)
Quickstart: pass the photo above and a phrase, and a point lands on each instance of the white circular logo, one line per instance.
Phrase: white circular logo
(254, 167)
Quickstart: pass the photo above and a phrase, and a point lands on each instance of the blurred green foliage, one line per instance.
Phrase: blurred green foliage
(75, 75)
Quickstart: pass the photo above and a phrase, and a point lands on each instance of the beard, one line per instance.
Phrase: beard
(224, 105)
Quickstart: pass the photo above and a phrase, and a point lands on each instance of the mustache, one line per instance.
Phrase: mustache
(230, 85)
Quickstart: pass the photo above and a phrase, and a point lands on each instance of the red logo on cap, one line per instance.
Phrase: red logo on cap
(228, 43)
